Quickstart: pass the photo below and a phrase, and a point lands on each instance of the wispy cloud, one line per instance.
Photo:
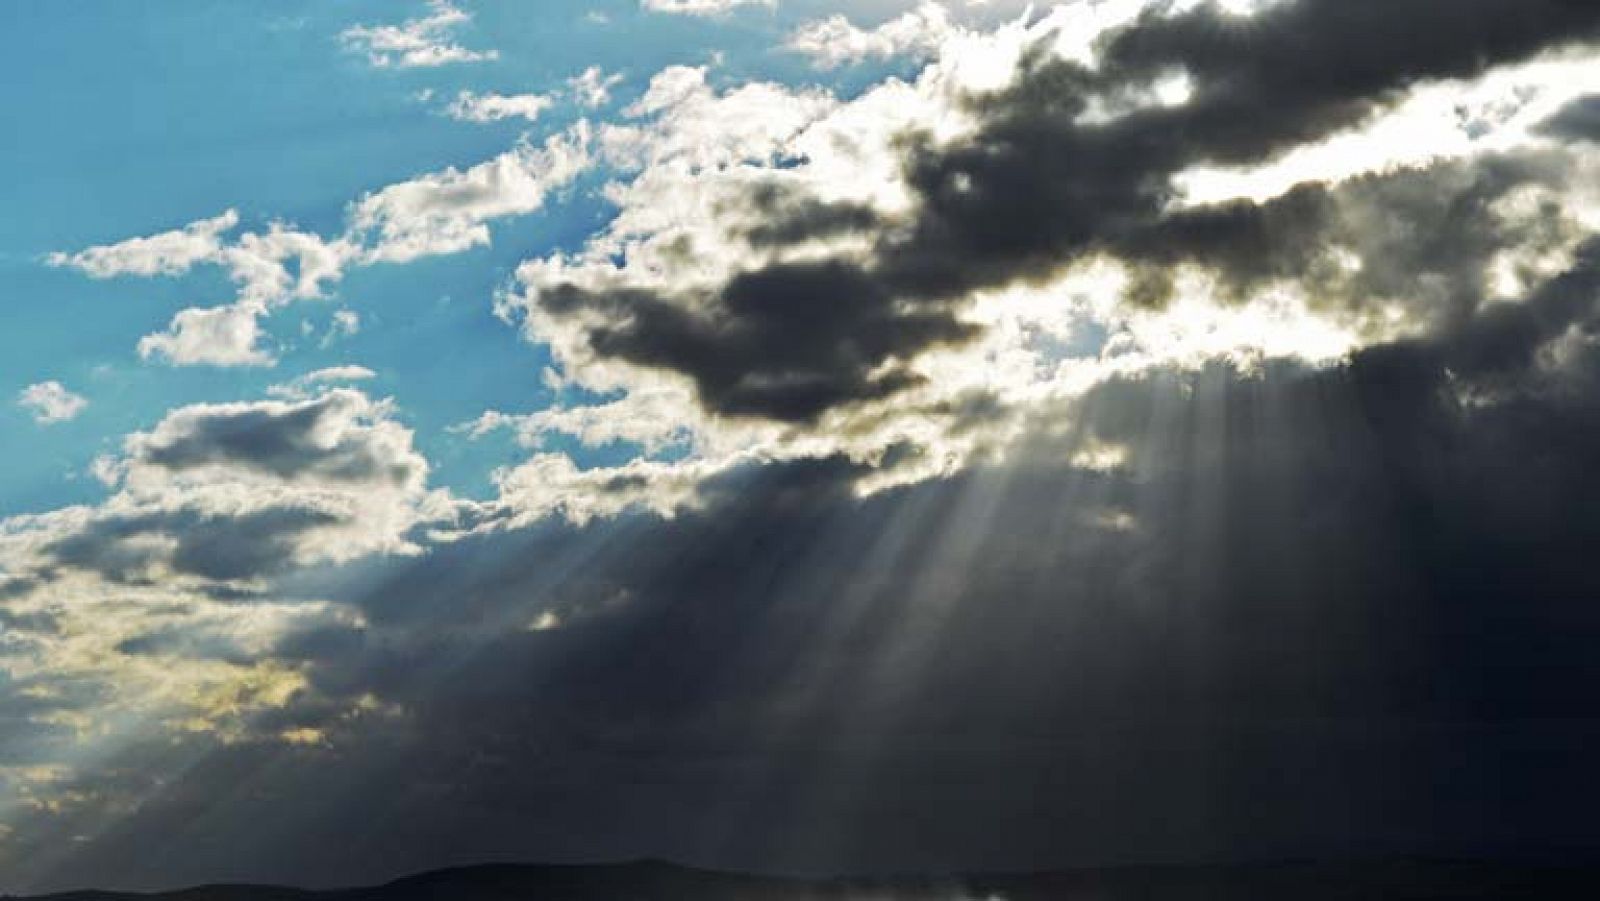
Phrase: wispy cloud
(701, 7)
(168, 253)
(416, 43)
(491, 107)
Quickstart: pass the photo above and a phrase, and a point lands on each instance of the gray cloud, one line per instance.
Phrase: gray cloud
(285, 440)
(785, 342)
(1039, 184)
(209, 545)
(242, 491)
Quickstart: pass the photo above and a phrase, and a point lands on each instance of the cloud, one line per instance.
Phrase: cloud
(269, 268)
(1577, 121)
(768, 344)
(1142, 627)
(436, 213)
(213, 336)
(341, 436)
(342, 324)
(168, 253)
(701, 7)
(447, 211)
(491, 107)
(1059, 162)
(304, 385)
(592, 87)
(154, 614)
(236, 493)
(835, 41)
(421, 42)
(50, 402)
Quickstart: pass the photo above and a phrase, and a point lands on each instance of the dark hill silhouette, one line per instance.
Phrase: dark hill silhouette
(659, 881)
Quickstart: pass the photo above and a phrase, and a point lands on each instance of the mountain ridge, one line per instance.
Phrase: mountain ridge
(659, 880)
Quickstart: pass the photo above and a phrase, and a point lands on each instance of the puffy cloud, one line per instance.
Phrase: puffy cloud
(260, 263)
(50, 402)
(211, 336)
(269, 268)
(339, 437)
(436, 213)
(420, 42)
(836, 41)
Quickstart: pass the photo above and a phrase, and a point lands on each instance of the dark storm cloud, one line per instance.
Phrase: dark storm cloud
(786, 342)
(1577, 121)
(284, 440)
(1036, 186)
(788, 216)
(1317, 612)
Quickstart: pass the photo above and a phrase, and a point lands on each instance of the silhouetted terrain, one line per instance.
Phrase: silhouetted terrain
(652, 881)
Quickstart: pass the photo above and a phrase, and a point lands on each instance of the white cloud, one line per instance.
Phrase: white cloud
(470, 107)
(50, 402)
(259, 263)
(211, 336)
(312, 382)
(701, 7)
(836, 41)
(437, 213)
(592, 87)
(552, 485)
(421, 42)
(168, 253)
(447, 212)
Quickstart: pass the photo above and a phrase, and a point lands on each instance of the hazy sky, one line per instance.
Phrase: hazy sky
(800, 435)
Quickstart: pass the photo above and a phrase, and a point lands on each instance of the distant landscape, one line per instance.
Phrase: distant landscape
(660, 881)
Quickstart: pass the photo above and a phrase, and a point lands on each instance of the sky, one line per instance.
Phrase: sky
(800, 436)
